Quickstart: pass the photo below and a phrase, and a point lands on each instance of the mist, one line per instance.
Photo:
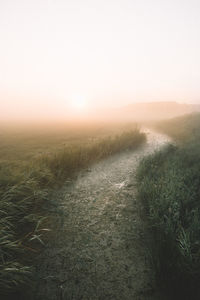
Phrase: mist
(99, 149)
(109, 54)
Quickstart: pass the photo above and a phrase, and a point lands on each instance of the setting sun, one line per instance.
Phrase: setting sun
(78, 103)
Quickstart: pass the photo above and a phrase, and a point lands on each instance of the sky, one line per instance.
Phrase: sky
(68, 56)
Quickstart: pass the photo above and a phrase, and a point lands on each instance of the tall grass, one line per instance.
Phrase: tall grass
(169, 185)
(182, 129)
(25, 187)
(65, 163)
(20, 225)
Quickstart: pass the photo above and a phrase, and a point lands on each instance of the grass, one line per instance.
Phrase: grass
(74, 158)
(32, 164)
(182, 129)
(169, 186)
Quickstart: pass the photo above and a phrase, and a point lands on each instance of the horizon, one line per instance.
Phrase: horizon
(71, 59)
(135, 112)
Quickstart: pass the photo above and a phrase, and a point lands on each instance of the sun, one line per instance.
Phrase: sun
(78, 102)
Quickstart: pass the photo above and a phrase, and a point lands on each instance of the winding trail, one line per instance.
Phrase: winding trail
(99, 251)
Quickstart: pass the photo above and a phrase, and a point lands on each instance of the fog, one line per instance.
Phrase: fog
(56, 55)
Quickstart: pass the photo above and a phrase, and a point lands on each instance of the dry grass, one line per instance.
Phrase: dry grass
(31, 165)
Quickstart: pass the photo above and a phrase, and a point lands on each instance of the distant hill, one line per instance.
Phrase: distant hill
(154, 110)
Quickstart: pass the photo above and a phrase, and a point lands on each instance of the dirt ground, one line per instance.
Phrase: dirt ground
(100, 250)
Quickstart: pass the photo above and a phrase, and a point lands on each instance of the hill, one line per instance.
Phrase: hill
(155, 110)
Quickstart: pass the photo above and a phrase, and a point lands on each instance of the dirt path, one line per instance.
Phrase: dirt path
(99, 253)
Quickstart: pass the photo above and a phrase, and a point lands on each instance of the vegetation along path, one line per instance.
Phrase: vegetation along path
(99, 251)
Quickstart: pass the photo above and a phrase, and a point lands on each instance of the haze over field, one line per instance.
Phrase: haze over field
(73, 59)
(99, 149)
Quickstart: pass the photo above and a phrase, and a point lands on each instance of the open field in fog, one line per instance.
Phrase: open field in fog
(40, 171)
(93, 206)
(100, 249)
(169, 186)
(33, 161)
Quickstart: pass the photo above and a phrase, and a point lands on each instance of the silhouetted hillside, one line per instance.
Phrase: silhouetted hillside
(155, 110)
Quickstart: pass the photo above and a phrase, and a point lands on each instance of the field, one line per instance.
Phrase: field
(182, 129)
(169, 186)
(34, 162)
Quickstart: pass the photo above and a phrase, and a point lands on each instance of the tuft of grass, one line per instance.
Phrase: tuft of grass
(169, 186)
(74, 158)
(20, 222)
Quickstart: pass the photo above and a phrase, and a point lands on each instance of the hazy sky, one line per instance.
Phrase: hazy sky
(105, 52)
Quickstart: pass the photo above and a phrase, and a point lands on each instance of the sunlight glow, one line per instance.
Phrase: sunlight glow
(78, 103)
(112, 53)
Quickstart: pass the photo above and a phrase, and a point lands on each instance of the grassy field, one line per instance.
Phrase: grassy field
(181, 129)
(169, 185)
(33, 162)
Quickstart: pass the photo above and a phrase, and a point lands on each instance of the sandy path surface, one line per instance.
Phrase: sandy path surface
(100, 250)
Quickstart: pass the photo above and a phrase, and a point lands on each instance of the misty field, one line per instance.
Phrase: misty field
(169, 186)
(37, 162)
(34, 162)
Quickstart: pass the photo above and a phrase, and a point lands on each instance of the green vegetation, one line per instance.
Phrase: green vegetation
(182, 129)
(169, 185)
(32, 163)
(74, 158)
